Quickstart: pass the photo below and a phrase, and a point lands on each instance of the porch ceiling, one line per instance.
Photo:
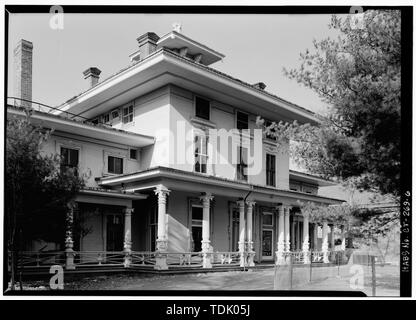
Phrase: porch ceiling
(199, 183)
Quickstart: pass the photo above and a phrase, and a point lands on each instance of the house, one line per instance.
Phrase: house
(179, 173)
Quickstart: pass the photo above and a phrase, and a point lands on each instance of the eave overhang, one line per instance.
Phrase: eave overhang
(164, 67)
(310, 179)
(199, 183)
(100, 132)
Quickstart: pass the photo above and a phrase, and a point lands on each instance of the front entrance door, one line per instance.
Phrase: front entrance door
(267, 243)
(114, 232)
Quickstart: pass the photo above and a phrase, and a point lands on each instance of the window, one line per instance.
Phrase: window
(271, 170)
(133, 154)
(114, 114)
(242, 120)
(128, 114)
(69, 159)
(106, 118)
(201, 154)
(196, 228)
(202, 108)
(115, 165)
(242, 163)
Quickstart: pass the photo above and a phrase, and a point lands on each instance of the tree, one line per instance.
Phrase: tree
(358, 76)
(37, 190)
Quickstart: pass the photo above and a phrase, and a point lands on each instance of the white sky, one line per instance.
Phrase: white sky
(257, 47)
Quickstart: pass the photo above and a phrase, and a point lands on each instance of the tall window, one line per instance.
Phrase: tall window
(201, 153)
(242, 163)
(128, 114)
(115, 165)
(242, 120)
(202, 108)
(196, 228)
(69, 159)
(271, 170)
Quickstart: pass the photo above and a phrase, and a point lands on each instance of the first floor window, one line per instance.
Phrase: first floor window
(69, 159)
(201, 154)
(271, 170)
(115, 165)
(242, 163)
(128, 114)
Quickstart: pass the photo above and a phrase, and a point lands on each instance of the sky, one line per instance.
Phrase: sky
(256, 47)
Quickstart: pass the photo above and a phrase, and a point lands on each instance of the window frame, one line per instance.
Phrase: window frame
(108, 164)
(201, 155)
(129, 115)
(209, 107)
(271, 181)
(73, 148)
(240, 175)
(237, 121)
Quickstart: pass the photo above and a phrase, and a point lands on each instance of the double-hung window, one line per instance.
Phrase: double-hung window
(242, 120)
(242, 160)
(202, 108)
(128, 114)
(69, 159)
(271, 170)
(201, 152)
(115, 165)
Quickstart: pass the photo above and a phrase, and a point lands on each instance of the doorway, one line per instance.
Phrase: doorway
(196, 228)
(267, 236)
(114, 232)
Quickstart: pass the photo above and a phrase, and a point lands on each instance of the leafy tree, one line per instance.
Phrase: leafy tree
(37, 190)
(358, 76)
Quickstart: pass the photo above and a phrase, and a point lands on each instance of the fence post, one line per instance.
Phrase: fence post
(373, 275)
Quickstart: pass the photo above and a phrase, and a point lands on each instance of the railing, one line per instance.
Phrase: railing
(226, 258)
(142, 258)
(93, 258)
(40, 259)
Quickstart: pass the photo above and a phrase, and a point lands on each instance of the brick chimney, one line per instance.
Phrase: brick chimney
(147, 44)
(23, 53)
(92, 75)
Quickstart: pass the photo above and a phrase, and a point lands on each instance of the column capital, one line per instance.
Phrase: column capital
(250, 203)
(206, 197)
(240, 203)
(128, 211)
(161, 190)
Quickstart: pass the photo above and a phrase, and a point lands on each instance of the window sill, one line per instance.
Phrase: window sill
(203, 122)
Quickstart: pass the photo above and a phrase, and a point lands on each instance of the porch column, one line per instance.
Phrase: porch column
(305, 244)
(315, 236)
(205, 243)
(280, 236)
(325, 241)
(161, 243)
(287, 231)
(69, 243)
(343, 244)
(251, 252)
(242, 233)
(293, 235)
(127, 236)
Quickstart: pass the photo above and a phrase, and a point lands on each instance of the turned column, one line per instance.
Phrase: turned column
(242, 233)
(287, 230)
(69, 243)
(205, 243)
(325, 241)
(161, 243)
(251, 253)
(305, 243)
(127, 236)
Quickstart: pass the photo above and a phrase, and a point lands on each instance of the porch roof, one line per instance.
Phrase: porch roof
(196, 182)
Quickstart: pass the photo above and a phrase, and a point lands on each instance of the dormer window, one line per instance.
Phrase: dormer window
(202, 108)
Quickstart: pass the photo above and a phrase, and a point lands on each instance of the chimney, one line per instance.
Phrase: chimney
(147, 44)
(260, 85)
(23, 72)
(92, 75)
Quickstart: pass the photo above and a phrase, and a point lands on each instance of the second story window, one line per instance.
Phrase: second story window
(69, 159)
(242, 160)
(271, 170)
(202, 108)
(201, 154)
(128, 114)
(242, 120)
(115, 165)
